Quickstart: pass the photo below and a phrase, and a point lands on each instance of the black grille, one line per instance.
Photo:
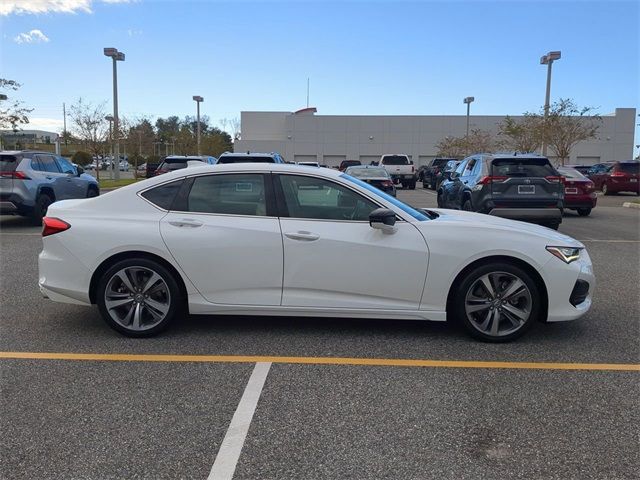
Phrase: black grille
(579, 293)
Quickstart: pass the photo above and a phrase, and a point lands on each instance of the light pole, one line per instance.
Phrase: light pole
(468, 101)
(116, 56)
(109, 118)
(547, 60)
(198, 99)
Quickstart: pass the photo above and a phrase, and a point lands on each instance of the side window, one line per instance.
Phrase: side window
(163, 195)
(461, 167)
(310, 197)
(65, 165)
(469, 168)
(35, 164)
(48, 164)
(234, 194)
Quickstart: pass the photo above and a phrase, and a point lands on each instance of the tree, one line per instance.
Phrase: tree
(522, 135)
(451, 147)
(90, 126)
(232, 125)
(478, 141)
(567, 125)
(141, 136)
(167, 128)
(12, 112)
(81, 158)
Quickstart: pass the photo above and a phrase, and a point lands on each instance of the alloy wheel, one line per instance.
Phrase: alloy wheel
(137, 298)
(498, 304)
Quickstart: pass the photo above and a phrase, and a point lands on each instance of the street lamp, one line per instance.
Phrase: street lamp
(198, 99)
(547, 60)
(109, 118)
(468, 101)
(116, 56)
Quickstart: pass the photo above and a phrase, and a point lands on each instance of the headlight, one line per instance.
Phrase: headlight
(566, 254)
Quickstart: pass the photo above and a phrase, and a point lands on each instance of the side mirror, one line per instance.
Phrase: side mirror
(80, 170)
(383, 219)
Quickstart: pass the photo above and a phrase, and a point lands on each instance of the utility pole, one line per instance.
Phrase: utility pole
(198, 99)
(547, 60)
(64, 117)
(307, 92)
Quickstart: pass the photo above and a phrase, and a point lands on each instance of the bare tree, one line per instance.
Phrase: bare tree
(478, 141)
(232, 127)
(89, 125)
(567, 125)
(451, 147)
(522, 135)
(12, 112)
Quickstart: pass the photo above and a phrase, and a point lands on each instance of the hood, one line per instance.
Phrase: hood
(480, 220)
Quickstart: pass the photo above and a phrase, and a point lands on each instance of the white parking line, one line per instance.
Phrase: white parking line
(227, 458)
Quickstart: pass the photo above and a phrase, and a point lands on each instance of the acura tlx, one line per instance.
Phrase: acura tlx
(269, 239)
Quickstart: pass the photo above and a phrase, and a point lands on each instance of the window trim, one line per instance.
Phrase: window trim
(283, 212)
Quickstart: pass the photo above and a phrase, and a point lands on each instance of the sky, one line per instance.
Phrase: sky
(362, 57)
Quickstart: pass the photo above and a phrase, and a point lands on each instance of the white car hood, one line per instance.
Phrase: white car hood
(480, 220)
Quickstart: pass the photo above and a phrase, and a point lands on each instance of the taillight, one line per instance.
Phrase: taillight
(387, 183)
(589, 186)
(160, 172)
(15, 175)
(413, 168)
(618, 174)
(486, 180)
(554, 179)
(52, 225)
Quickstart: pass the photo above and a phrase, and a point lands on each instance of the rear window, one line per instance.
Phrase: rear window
(163, 195)
(8, 163)
(172, 165)
(395, 160)
(247, 159)
(570, 172)
(631, 167)
(438, 162)
(523, 167)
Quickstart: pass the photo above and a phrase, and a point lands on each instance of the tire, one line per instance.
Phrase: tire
(466, 205)
(605, 189)
(92, 192)
(425, 184)
(552, 225)
(472, 299)
(584, 212)
(439, 200)
(412, 185)
(137, 317)
(40, 209)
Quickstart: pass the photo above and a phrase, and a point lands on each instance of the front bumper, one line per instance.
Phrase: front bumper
(563, 284)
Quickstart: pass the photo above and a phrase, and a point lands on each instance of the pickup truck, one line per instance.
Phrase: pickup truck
(400, 168)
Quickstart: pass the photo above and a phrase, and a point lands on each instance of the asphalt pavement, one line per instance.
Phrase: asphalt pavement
(98, 419)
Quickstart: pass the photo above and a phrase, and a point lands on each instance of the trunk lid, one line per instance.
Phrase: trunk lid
(527, 182)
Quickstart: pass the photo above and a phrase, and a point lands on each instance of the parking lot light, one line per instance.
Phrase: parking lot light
(115, 56)
(548, 60)
(468, 101)
(198, 99)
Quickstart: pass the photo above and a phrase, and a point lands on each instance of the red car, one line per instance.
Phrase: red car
(579, 191)
(619, 177)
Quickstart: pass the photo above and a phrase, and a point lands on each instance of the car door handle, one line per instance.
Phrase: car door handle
(186, 222)
(303, 236)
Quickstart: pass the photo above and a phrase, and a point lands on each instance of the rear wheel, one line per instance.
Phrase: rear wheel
(497, 302)
(466, 205)
(412, 185)
(40, 209)
(605, 189)
(138, 297)
(583, 212)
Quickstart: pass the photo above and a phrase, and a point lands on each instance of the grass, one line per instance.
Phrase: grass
(117, 183)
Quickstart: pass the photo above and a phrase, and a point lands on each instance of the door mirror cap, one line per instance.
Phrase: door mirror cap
(383, 219)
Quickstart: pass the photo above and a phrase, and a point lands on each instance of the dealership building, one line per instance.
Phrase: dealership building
(329, 139)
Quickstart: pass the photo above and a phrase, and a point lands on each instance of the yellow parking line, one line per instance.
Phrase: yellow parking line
(377, 362)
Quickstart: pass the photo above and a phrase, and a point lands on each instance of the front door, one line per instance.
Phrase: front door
(225, 242)
(332, 256)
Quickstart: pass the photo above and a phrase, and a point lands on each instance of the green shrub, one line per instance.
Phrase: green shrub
(81, 158)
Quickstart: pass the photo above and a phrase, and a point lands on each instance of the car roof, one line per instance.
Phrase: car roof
(248, 154)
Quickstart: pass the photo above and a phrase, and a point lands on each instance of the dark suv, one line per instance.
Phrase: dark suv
(428, 174)
(520, 187)
(249, 157)
(30, 181)
(177, 162)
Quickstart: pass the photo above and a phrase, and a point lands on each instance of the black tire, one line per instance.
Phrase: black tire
(92, 192)
(583, 212)
(466, 205)
(439, 200)
(605, 189)
(552, 225)
(412, 185)
(457, 308)
(175, 298)
(40, 209)
(425, 184)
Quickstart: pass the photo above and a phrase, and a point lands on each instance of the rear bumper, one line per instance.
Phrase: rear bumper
(623, 186)
(14, 205)
(534, 214)
(580, 201)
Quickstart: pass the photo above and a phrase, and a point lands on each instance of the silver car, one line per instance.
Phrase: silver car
(30, 181)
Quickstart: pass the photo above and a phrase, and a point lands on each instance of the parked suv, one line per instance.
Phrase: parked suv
(176, 162)
(228, 157)
(520, 187)
(30, 181)
(428, 174)
(616, 177)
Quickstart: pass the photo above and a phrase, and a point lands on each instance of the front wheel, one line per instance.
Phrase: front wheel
(497, 302)
(466, 205)
(583, 212)
(605, 189)
(138, 297)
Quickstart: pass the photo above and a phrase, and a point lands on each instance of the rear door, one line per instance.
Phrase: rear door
(525, 182)
(78, 186)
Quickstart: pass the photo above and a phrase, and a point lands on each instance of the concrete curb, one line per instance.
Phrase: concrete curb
(631, 205)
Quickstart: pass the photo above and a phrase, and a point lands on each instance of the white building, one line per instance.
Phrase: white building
(329, 139)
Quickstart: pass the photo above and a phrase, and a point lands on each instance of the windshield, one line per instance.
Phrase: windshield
(395, 160)
(367, 172)
(379, 193)
(570, 172)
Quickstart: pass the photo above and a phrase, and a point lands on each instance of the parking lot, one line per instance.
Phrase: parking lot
(342, 398)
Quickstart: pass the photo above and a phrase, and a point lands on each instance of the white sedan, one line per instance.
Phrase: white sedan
(271, 239)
